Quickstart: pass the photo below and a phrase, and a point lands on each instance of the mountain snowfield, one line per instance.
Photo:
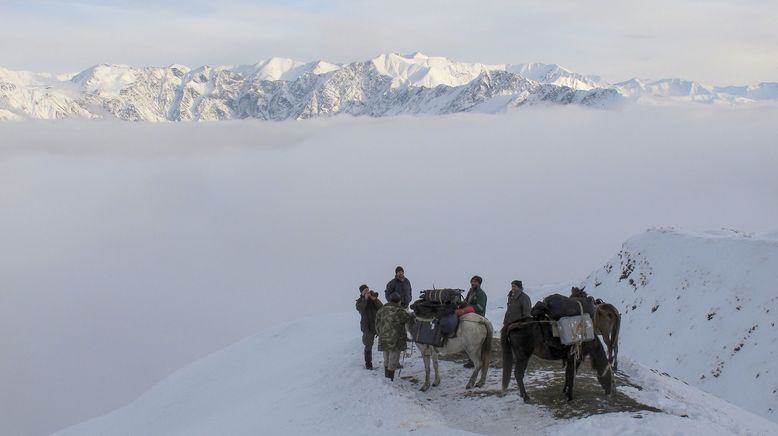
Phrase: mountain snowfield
(693, 305)
(703, 307)
(280, 89)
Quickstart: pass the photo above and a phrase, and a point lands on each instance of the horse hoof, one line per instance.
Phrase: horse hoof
(424, 388)
(469, 386)
(436, 383)
(479, 385)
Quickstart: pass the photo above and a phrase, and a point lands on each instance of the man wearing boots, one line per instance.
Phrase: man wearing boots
(367, 306)
(390, 323)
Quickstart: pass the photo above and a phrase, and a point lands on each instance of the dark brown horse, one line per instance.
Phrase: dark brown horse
(607, 322)
(534, 337)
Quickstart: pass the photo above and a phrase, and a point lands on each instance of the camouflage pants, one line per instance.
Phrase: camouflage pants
(392, 359)
(367, 340)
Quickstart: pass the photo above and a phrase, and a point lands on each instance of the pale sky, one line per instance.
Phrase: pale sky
(713, 41)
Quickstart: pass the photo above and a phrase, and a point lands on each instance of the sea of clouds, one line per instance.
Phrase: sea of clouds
(130, 249)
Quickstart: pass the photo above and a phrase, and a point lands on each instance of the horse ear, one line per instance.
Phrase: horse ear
(583, 287)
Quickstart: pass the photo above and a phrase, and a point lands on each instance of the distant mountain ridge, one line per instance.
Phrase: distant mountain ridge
(281, 89)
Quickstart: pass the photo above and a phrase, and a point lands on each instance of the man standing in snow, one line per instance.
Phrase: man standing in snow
(368, 305)
(390, 323)
(519, 305)
(401, 285)
(476, 298)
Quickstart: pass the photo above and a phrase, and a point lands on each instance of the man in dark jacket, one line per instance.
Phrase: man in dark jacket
(390, 323)
(401, 285)
(519, 305)
(367, 306)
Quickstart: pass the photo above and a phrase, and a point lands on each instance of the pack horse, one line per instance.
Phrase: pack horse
(473, 336)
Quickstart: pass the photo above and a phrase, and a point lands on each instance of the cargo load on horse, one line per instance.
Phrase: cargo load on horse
(571, 318)
(436, 319)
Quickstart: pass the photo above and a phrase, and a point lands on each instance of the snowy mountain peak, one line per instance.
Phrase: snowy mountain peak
(282, 88)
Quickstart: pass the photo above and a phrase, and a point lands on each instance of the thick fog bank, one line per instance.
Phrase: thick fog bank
(131, 249)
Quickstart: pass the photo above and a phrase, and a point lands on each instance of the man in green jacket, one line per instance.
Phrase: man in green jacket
(390, 323)
(476, 297)
(368, 305)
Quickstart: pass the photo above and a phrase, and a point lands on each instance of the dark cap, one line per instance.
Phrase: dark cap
(517, 283)
(362, 288)
(478, 279)
(395, 297)
(398, 269)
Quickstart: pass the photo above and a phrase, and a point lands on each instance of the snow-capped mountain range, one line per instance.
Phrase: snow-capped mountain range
(280, 89)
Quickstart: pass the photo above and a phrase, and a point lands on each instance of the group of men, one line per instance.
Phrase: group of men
(388, 321)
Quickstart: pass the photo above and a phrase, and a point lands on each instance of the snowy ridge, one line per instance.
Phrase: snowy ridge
(281, 88)
(701, 307)
(687, 90)
(308, 388)
(665, 281)
(317, 385)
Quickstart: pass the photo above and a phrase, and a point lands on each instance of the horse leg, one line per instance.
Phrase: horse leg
(475, 357)
(521, 368)
(425, 355)
(435, 365)
(570, 376)
(606, 337)
(479, 366)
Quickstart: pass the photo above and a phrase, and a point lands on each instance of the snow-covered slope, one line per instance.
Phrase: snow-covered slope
(306, 377)
(701, 307)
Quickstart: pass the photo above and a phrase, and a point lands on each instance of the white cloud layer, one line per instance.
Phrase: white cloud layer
(721, 42)
(131, 249)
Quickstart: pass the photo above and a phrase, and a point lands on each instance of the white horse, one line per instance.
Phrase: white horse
(474, 336)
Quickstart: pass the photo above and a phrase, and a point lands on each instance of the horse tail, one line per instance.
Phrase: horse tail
(486, 347)
(602, 367)
(507, 359)
(615, 340)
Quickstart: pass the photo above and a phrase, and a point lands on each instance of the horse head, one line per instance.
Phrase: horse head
(578, 292)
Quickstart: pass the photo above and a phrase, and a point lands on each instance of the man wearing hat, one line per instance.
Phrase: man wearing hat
(476, 298)
(390, 323)
(519, 305)
(401, 285)
(368, 305)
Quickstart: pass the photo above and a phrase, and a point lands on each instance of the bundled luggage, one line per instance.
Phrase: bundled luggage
(436, 319)
(443, 296)
(573, 317)
(557, 306)
(427, 332)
